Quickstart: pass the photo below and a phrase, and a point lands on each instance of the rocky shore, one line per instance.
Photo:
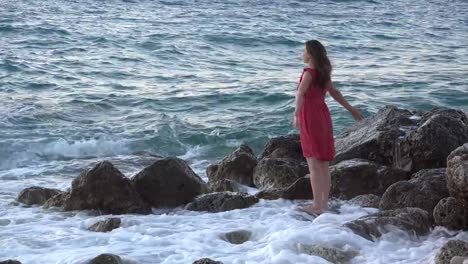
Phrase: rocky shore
(412, 166)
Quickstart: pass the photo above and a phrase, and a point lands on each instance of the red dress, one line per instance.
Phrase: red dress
(316, 129)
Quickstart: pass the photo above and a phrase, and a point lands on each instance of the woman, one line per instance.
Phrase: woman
(313, 118)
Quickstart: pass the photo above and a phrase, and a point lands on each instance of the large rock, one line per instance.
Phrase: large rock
(106, 259)
(36, 195)
(450, 213)
(439, 132)
(221, 201)
(425, 189)
(331, 254)
(10, 261)
(374, 138)
(104, 188)
(168, 182)
(238, 166)
(354, 177)
(298, 190)
(412, 220)
(106, 225)
(206, 261)
(272, 173)
(451, 249)
(457, 174)
(366, 200)
(284, 147)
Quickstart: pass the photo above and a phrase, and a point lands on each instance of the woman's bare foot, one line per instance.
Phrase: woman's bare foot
(312, 209)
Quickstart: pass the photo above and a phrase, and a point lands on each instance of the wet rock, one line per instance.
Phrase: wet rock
(106, 259)
(354, 177)
(224, 186)
(36, 195)
(374, 138)
(278, 173)
(415, 221)
(331, 254)
(206, 261)
(425, 189)
(366, 200)
(450, 213)
(57, 200)
(10, 261)
(451, 249)
(299, 190)
(238, 166)
(459, 260)
(168, 182)
(457, 174)
(284, 147)
(221, 201)
(237, 237)
(106, 189)
(439, 132)
(106, 225)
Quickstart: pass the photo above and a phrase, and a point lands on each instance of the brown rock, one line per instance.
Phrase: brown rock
(36, 195)
(238, 166)
(106, 225)
(221, 201)
(104, 188)
(168, 182)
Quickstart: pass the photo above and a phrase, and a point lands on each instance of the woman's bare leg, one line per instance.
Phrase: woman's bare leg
(320, 181)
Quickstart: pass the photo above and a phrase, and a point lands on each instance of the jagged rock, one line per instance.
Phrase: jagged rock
(374, 138)
(10, 261)
(451, 249)
(36, 195)
(334, 255)
(106, 259)
(439, 132)
(354, 177)
(425, 189)
(457, 174)
(237, 237)
(284, 147)
(106, 225)
(450, 213)
(366, 200)
(299, 190)
(278, 173)
(412, 220)
(57, 200)
(168, 182)
(238, 166)
(221, 201)
(106, 189)
(224, 186)
(206, 261)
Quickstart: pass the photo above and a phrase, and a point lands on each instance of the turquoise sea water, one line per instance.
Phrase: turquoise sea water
(83, 81)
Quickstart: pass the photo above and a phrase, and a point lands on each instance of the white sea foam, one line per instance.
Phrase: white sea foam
(34, 235)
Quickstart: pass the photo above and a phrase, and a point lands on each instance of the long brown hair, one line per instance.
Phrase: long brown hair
(321, 62)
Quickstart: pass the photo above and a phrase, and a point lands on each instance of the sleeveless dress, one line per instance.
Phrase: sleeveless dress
(316, 129)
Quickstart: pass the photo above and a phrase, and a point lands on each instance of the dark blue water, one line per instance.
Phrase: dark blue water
(81, 81)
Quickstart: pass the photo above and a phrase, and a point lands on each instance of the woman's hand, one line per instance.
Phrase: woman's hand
(296, 121)
(356, 114)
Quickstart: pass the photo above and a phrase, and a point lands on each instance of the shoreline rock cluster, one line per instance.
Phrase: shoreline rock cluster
(412, 166)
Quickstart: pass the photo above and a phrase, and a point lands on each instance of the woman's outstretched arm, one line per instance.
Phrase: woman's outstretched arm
(342, 101)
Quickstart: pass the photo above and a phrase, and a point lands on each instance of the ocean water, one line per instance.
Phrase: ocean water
(85, 81)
